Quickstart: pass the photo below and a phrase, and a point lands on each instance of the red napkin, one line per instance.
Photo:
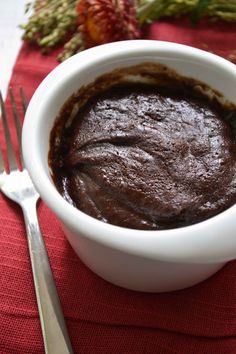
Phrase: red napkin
(216, 37)
(101, 317)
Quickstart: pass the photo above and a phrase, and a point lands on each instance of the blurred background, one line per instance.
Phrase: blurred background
(12, 13)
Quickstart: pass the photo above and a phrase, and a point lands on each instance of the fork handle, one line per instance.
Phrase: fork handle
(55, 335)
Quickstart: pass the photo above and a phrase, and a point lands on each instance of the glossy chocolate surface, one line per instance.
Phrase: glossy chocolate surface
(147, 157)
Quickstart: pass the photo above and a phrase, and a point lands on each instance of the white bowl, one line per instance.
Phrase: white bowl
(139, 260)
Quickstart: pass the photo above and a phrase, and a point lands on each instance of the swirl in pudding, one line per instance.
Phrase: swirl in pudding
(147, 157)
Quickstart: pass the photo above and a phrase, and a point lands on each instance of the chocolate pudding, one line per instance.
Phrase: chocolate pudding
(153, 155)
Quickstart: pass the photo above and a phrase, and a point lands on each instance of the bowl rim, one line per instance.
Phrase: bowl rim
(201, 242)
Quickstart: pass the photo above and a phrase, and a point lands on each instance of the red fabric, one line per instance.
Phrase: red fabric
(216, 37)
(103, 318)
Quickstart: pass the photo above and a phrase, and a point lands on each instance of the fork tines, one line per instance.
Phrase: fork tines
(12, 160)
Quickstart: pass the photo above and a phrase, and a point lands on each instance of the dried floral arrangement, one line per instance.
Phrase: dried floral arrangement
(79, 24)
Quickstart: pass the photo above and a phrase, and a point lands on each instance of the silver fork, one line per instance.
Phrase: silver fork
(16, 184)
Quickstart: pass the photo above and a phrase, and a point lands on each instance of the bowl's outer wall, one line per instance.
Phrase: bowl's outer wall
(204, 246)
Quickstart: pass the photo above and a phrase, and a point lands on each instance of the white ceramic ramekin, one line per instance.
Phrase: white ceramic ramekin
(140, 260)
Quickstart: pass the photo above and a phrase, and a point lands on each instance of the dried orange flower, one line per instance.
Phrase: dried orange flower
(103, 21)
